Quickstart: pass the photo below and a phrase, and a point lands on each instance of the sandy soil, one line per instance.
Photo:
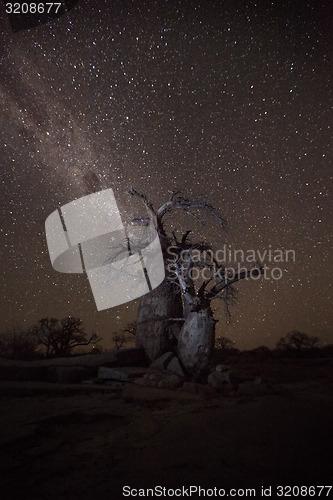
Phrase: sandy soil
(87, 442)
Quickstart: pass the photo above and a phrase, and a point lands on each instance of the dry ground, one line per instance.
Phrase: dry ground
(83, 442)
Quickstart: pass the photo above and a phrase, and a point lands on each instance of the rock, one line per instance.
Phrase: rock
(252, 388)
(201, 389)
(222, 368)
(170, 382)
(150, 376)
(111, 373)
(145, 382)
(162, 362)
(160, 378)
(218, 379)
(124, 373)
(175, 367)
(150, 379)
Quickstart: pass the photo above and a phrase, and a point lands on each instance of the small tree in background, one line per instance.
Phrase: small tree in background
(60, 337)
(298, 341)
(17, 344)
(130, 328)
(119, 339)
(312, 341)
(224, 343)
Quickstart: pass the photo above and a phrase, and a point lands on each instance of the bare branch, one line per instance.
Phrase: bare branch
(224, 283)
(144, 199)
(184, 238)
(179, 201)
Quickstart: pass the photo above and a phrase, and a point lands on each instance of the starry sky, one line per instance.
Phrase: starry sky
(227, 99)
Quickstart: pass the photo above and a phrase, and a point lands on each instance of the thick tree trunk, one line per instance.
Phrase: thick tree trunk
(196, 340)
(155, 332)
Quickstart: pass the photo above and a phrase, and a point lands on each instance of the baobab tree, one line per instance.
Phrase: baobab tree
(160, 313)
(177, 315)
(197, 336)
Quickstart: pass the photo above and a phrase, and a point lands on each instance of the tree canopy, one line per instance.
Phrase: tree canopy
(60, 337)
(298, 341)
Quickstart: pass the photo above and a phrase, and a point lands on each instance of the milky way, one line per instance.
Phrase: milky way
(229, 100)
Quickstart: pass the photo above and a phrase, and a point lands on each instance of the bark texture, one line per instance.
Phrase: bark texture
(196, 340)
(156, 333)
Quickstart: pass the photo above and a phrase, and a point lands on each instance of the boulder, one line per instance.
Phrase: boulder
(105, 372)
(219, 379)
(145, 382)
(151, 379)
(161, 363)
(125, 373)
(175, 367)
(222, 368)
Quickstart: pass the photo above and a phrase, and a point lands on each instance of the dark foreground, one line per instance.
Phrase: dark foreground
(82, 442)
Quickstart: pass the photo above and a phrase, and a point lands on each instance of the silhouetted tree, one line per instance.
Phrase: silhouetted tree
(18, 344)
(296, 340)
(313, 341)
(224, 343)
(130, 328)
(119, 339)
(60, 337)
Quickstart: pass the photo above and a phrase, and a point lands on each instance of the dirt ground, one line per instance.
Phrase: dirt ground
(88, 442)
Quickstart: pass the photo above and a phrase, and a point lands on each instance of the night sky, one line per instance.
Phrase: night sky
(229, 100)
